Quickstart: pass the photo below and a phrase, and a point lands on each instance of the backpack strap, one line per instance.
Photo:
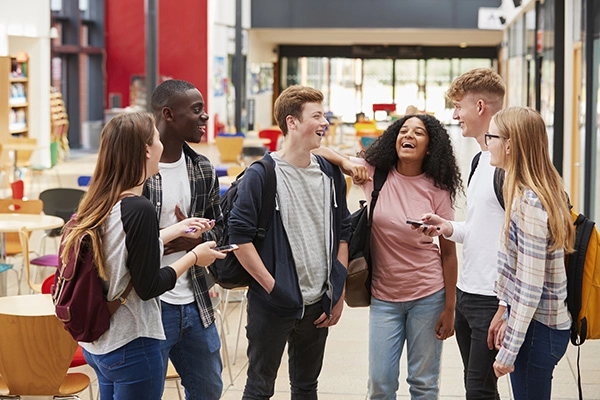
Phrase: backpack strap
(268, 198)
(499, 176)
(474, 164)
(498, 179)
(122, 299)
(378, 180)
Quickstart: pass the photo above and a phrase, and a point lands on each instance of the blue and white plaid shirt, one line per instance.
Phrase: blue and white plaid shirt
(532, 279)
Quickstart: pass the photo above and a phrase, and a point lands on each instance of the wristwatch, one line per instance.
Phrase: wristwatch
(505, 315)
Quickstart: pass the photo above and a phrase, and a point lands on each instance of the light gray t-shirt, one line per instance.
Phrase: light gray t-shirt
(304, 203)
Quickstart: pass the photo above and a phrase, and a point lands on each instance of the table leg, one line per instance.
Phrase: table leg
(3, 266)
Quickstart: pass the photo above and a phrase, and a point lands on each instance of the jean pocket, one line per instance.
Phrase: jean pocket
(111, 360)
(559, 340)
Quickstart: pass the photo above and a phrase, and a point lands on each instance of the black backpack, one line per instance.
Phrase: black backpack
(228, 272)
(498, 179)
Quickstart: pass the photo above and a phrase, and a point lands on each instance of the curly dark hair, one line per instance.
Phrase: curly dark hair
(439, 164)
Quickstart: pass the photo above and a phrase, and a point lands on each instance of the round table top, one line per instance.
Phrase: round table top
(14, 222)
(27, 305)
(12, 146)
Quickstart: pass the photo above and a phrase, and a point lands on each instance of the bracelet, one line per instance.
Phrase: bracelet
(195, 255)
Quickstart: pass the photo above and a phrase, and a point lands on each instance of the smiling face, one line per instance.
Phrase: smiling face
(311, 127)
(189, 116)
(467, 111)
(412, 143)
(153, 153)
(497, 146)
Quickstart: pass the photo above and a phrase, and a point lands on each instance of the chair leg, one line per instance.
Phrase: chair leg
(242, 310)
(178, 389)
(224, 345)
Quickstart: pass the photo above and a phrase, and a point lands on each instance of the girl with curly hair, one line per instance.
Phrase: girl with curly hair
(414, 278)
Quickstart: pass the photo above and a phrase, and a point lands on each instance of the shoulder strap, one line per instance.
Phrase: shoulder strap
(498, 179)
(474, 164)
(378, 180)
(122, 299)
(268, 199)
(499, 185)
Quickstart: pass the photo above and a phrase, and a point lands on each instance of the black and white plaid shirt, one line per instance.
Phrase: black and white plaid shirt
(204, 187)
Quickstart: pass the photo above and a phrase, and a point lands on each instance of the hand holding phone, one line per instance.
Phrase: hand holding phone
(226, 248)
(418, 224)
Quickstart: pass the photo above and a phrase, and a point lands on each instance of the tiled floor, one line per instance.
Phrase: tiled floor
(344, 374)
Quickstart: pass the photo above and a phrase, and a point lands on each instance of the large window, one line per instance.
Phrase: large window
(353, 85)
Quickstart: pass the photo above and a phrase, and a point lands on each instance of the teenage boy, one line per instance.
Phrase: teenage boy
(187, 186)
(300, 269)
(477, 95)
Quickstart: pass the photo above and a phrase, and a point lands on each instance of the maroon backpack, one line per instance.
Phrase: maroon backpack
(78, 294)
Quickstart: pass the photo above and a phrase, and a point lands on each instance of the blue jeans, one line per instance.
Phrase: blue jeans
(193, 350)
(390, 325)
(267, 335)
(473, 315)
(541, 351)
(131, 372)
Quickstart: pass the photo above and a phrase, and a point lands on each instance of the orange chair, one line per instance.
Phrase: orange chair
(272, 135)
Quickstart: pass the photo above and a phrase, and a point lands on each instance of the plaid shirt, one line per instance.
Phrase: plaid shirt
(204, 186)
(532, 280)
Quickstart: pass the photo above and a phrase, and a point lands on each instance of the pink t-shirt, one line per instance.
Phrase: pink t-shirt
(406, 265)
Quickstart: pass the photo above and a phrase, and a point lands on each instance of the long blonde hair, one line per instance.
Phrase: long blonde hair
(121, 165)
(528, 165)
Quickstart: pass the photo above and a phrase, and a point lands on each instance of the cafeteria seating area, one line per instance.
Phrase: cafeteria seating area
(344, 374)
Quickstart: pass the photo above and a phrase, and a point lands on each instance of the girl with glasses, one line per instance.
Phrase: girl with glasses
(532, 332)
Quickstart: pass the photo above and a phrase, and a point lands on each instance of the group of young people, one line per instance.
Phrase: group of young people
(153, 208)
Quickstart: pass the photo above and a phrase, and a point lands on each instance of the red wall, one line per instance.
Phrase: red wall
(182, 38)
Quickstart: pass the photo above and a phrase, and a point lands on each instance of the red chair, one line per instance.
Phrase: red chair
(272, 135)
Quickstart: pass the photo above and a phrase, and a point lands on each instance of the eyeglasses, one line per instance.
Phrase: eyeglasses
(488, 136)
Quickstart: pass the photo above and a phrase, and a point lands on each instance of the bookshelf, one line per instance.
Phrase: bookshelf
(14, 97)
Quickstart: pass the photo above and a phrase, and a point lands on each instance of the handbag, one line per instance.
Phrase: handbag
(358, 280)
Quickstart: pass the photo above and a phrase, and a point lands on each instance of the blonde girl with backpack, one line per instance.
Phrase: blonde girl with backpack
(532, 332)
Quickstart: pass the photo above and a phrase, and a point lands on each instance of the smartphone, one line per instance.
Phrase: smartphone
(419, 224)
(227, 248)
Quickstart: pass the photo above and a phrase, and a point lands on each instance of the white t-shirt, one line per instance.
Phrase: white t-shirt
(480, 232)
(175, 191)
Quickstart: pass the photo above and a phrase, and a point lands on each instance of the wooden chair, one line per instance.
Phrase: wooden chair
(24, 237)
(35, 354)
(230, 147)
(23, 156)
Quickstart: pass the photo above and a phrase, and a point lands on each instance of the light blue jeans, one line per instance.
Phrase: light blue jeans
(390, 325)
(194, 351)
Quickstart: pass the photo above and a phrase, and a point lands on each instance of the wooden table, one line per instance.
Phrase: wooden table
(35, 349)
(15, 148)
(13, 223)
(27, 305)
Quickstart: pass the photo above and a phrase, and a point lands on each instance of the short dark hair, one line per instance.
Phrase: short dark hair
(166, 91)
(291, 102)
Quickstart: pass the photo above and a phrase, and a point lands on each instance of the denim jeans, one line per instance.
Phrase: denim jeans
(193, 350)
(390, 325)
(473, 315)
(131, 372)
(541, 351)
(267, 335)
